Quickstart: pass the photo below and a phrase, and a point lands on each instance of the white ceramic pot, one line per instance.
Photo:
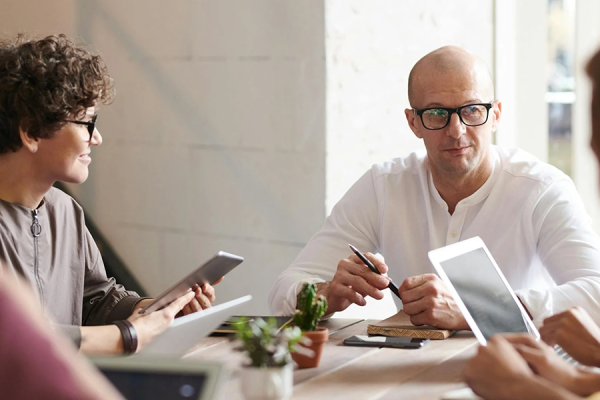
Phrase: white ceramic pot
(267, 383)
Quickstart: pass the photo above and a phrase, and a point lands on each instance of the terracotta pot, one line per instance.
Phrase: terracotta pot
(267, 383)
(318, 339)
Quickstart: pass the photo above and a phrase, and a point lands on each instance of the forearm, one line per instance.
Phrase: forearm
(533, 388)
(101, 340)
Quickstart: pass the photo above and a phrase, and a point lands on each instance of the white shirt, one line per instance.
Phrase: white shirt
(528, 213)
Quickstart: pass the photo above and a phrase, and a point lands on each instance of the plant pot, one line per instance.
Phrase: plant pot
(276, 383)
(318, 339)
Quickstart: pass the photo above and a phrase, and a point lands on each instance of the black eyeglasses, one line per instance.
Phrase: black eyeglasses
(439, 117)
(90, 125)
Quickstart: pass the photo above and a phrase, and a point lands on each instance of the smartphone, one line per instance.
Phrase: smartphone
(400, 342)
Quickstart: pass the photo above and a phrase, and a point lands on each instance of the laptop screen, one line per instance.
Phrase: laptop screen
(141, 385)
(483, 292)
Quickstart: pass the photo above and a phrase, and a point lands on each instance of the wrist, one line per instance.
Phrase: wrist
(323, 290)
(129, 337)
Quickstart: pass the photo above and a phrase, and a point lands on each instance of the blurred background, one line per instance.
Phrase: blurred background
(238, 124)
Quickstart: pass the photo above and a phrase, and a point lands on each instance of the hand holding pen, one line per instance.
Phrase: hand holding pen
(392, 286)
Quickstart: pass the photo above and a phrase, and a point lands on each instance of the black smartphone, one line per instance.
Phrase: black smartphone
(400, 342)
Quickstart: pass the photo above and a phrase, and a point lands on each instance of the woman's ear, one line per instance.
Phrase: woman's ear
(30, 143)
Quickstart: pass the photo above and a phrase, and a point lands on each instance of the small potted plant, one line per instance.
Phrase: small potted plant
(269, 375)
(310, 309)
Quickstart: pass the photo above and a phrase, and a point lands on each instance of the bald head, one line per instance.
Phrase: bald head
(448, 62)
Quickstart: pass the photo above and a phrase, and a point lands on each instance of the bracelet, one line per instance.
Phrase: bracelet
(129, 335)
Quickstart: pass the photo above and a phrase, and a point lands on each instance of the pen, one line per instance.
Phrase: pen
(393, 287)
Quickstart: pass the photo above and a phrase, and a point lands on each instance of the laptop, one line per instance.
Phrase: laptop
(185, 332)
(161, 378)
(480, 290)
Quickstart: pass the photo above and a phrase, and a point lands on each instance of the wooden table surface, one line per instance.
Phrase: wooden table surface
(360, 372)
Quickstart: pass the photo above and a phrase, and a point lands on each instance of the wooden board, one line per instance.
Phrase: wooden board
(400, 325)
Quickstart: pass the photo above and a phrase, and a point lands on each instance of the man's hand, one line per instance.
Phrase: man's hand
(204, 296)
(353, 281)
(148, 326)
(576, 332)
(427, 301)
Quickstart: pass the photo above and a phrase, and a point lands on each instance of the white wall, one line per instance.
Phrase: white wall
(216, 138)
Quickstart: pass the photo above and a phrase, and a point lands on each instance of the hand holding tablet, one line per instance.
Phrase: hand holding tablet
(210, 272)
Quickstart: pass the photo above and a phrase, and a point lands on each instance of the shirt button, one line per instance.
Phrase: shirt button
(453, 234)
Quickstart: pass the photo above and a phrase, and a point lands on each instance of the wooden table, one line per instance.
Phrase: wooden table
(360, 372)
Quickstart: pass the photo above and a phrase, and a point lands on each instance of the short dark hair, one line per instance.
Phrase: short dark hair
(45, 82)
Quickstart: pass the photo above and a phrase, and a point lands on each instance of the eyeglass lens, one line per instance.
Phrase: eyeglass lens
(437, 118)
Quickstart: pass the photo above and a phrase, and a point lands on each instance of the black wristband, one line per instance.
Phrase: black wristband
(129, 335)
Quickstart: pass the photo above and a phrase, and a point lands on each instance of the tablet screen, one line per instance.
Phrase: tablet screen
(484, 293)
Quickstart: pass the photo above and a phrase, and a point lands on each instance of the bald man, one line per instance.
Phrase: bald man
(527, 212)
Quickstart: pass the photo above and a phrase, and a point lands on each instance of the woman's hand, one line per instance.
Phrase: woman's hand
(203, 298)
(148, 326)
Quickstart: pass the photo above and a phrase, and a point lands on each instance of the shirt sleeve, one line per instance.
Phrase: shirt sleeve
(104, 301)
(570, 251)
(354, 220)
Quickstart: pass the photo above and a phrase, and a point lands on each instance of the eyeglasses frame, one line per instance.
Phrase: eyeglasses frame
(91, 126)
(456, 110)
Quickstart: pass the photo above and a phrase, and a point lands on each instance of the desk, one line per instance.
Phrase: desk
(360, 372)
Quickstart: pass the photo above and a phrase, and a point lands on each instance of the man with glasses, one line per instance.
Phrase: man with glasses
(527, 212)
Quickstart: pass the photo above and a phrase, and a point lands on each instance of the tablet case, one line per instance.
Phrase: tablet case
(400, 325)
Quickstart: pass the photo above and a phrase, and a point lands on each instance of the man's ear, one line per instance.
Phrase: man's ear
(497, 111)
(411, 117)
(30, 143)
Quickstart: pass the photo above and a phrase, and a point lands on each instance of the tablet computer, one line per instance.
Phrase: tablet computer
(210, 272)
(480, 290)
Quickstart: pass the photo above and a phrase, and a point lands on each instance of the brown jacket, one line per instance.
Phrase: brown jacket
(53, 250)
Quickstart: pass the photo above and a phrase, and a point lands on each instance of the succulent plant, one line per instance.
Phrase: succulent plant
(264, 343)
(310, 308)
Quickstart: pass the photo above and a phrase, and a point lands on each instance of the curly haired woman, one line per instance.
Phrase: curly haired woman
(49, 93)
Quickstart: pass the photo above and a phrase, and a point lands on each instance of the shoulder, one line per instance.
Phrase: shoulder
(58, 201)
(413, 164)
(520, 165)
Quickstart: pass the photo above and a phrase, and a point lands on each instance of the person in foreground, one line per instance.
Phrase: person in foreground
(36, 362)
(50, 90)
(519, 367)
(527, 212)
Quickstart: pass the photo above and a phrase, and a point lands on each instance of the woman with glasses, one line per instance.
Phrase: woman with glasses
(50, 91)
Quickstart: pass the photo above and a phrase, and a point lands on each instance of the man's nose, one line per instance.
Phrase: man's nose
(455, 127)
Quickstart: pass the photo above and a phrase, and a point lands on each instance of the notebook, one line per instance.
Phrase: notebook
(185, 332)
(399, 325)
(161, 378)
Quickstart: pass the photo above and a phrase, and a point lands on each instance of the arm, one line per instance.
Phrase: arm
(570, 251)
(353, 220)
(107, 339)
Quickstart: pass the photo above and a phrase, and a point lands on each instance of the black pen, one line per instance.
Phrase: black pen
(393, 287)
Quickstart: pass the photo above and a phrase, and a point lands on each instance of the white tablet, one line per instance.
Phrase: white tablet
(209, 272)
(480, 290)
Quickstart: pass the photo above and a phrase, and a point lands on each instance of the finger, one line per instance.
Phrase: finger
(218, 281)
(415, 281)
(172, 309)
(430, 288)
(203, 302)
(358, 284)
(522, 339)
(194, 305)
(187, 310)
(342, 291)
(209, 292)
(378, 262)
(347, 266)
